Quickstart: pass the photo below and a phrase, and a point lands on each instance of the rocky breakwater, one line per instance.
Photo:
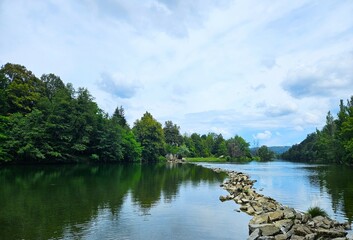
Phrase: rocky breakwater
(272, 220)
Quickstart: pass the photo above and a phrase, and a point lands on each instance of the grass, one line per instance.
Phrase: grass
(206, 159)
(316, 211)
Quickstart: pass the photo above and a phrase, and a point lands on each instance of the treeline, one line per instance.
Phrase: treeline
(44, 120)
(332, 144)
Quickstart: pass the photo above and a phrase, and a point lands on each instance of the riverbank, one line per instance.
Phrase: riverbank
(272, 220)
(205, 159)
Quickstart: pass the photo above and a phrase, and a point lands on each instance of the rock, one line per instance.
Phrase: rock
(301, 230)
(305, 218)
(318, 219)
(276, 215)
(243, 208)
(263, 218)
(255, 234)
(330, 233)
(285, 225)
(347, 226)
(222, 198)
(275, 221)
(250, 211)
(289, 213)
(310, 236)
(266, 229)
(296, 237)
(281, 237)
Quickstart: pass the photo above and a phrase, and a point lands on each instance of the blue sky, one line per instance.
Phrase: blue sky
(266, 70)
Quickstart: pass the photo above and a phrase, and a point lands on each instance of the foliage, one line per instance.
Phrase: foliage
(238, 149)
(265, 154)
(44, 120)
(316, 211)
(172, 134)
(149, 133)
(332, 144)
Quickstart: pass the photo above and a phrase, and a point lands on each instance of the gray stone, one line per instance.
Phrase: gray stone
(305, 218)
(255, 234)
(263, 218)
(285, 225)
(330, 233)
(310, 236)
(301, 230)
(276, 215)
(289, 213)
(266, 229)
(281, 237)
(296, 237)
(250, 211)
(223, 198)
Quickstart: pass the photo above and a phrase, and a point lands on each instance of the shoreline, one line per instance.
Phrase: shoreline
(271, 219)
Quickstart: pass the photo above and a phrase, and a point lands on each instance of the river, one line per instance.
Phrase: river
(155, 201)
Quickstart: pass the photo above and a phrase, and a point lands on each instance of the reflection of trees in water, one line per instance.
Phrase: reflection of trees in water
(339, 184)
(41, 202)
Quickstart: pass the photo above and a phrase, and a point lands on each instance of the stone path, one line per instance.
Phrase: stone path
(272, 220)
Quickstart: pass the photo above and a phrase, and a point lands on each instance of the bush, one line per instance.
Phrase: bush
(317, 211)
(162, 159)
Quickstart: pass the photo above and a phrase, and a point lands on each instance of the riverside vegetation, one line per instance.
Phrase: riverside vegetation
(332, 144)
(42, 120)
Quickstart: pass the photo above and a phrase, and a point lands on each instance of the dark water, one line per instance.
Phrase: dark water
(116, 202)
(155, 201)
(302, 186)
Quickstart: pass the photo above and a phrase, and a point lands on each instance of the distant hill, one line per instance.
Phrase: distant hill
(276, 149)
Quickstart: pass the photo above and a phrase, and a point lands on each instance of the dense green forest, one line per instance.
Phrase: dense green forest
(44, 120)
(332, 144)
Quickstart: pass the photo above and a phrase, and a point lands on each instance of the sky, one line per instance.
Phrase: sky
(268, 71)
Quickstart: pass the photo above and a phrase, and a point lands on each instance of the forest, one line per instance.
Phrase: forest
(43, 120)
(332, 144)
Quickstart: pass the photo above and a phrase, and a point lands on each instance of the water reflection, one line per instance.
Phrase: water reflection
(337, 182)
(72, 202)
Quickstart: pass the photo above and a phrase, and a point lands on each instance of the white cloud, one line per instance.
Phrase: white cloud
(234, 66)
(263, 135)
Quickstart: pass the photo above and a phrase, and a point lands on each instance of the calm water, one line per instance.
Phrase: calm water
(116, 202)
(155, 201)
(302, 186)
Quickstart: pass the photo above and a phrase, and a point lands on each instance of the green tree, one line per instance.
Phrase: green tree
(21, 89)
(149, 133)
(119, 117)
(265, 154)
(52, 85)
(238, 148)
(172, 134)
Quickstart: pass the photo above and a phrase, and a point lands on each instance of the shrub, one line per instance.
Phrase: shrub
(317, 211)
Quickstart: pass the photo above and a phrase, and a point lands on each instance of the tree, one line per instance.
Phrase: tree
(265, 154)
(119, 117)
(172, 134)
(238, 148)
(149, 133)
(20, 88)
(52, 84)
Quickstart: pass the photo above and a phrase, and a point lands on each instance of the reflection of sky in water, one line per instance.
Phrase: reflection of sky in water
(195, 213)
(292, 184)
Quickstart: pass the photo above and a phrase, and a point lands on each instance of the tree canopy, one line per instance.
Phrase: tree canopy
(332, 144)
(44, 120)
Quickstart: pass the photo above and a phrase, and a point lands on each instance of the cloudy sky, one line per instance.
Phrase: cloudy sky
(266, 70)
